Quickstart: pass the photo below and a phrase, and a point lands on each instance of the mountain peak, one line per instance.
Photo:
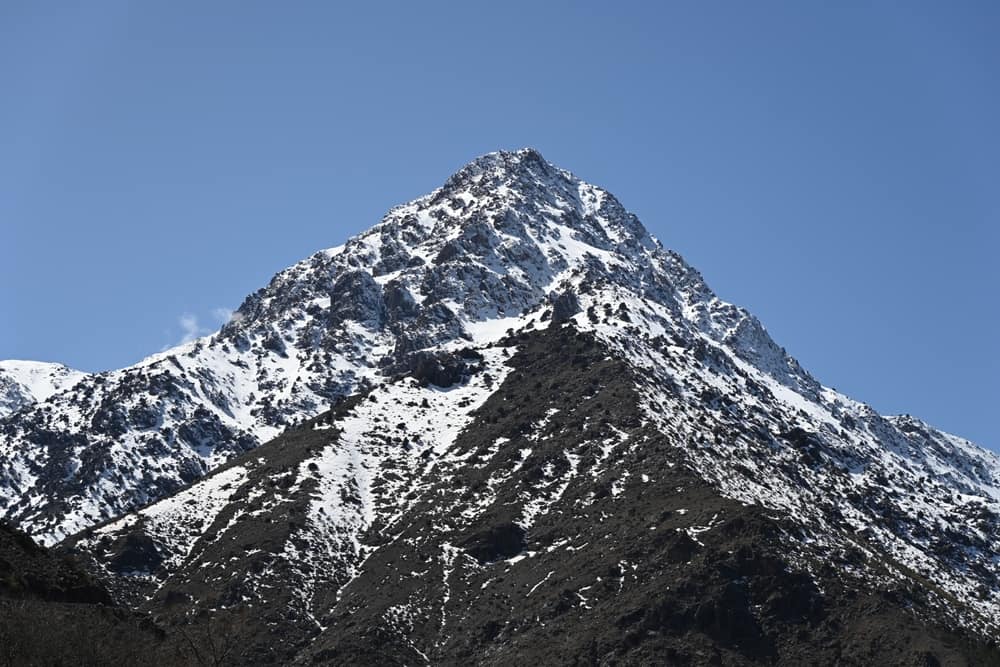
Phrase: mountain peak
(523, 172)
(522, 184)
(508, 236)
(504, 162)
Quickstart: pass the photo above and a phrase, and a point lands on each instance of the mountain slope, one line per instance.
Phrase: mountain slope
(657, 387)
(496, 239)
(579, 534)
(544, 518)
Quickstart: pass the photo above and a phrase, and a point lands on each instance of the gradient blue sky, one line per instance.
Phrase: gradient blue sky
(831, 166)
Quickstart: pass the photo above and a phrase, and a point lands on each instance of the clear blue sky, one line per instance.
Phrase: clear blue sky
(834, 167)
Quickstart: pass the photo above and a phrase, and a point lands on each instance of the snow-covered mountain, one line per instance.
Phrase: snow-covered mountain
(476, 251)
(25, 382)
(506, 396)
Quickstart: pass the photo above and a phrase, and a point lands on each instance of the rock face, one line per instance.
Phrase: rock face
(512, 427)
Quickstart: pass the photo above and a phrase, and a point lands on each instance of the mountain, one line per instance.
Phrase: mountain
(505, 424)
(26, 382)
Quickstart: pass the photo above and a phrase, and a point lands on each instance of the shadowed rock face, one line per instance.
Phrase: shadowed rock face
(564, 307)
(136, 553)
(28, 571)
(442, 369)
(357, 297)
(52, 612)
(500, 542)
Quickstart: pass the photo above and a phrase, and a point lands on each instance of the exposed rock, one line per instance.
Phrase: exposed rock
(564, 307)
(442, 369)
(135, 553)
(356, 296)
(496, 543)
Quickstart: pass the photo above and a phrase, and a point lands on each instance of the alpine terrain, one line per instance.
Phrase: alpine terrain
(26, 382)
(503, 426)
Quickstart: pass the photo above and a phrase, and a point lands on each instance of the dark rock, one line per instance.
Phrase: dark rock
(441, 369)
(356, 296)
(502, 541)
(564, 307)
(399, 303)
(137, 553)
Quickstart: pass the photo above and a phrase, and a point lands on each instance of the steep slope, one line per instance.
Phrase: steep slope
(494, 240)
(497, 238)
(25, 382)
(430, 464)
(540, 517)
(576, 532)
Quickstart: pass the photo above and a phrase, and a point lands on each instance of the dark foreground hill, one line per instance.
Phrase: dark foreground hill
(53, 613)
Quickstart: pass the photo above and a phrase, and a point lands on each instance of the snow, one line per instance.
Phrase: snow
(544, 579)
(383, 440)
(26, 382)
(535, 506)
(488, 331)
(176, 523)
